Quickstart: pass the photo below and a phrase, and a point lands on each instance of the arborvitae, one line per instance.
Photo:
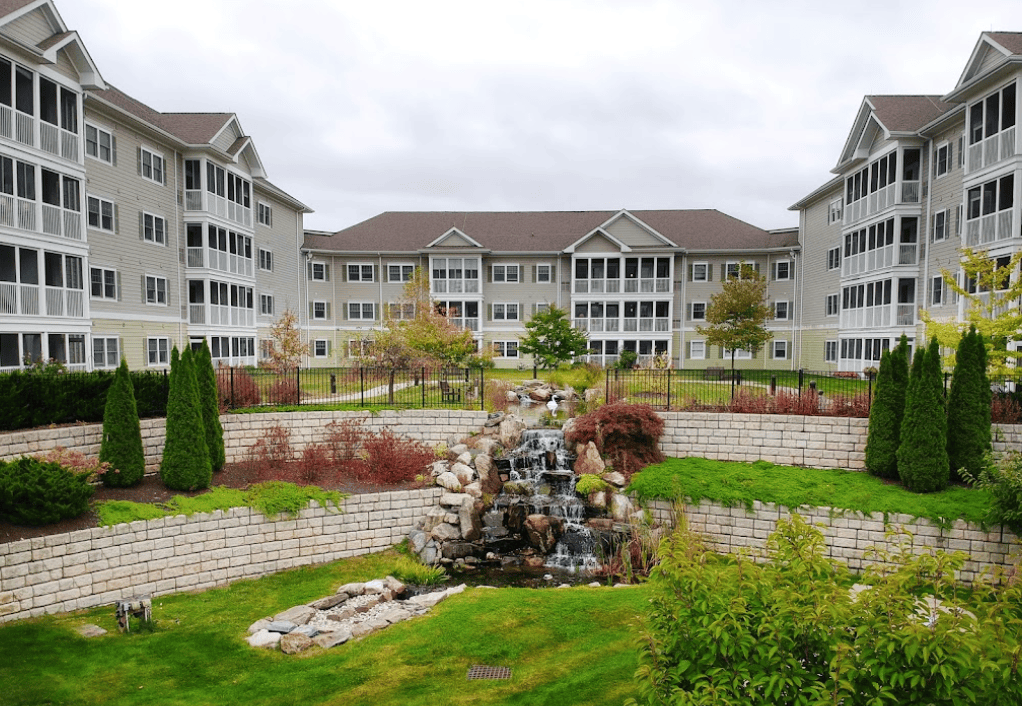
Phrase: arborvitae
(185, 464)
(968, 407)
(122, 434)
(922, 455)
(884, 421)
(210, 402)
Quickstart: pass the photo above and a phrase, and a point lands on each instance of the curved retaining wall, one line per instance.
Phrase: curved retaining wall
(104, 564)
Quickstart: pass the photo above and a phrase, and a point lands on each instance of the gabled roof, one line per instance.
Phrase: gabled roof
(543, 231)
(62, 39)
(890, 116)
(993, 51)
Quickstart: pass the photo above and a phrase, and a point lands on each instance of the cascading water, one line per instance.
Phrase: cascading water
(544, 484)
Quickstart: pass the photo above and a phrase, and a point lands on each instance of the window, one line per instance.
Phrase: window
(401, 310)
(830, 351)
(359, 347)
(782, 310)
(700, 272)
(780, 349)
(320, 271)
(940, 225)
(942, 159)
(833, 305)
(992, 115)
(505, 273)
(158, 350)
(834, 258)
(265, 260)
(266, 304)
(101, 213)
(697, 350)
(360, 273)
(105, 352)
(154, 229)
(505, 311)
(151, 165)
(505, 349)
(455, 275)
(994, 196)
(361, 311)
(320, 310)
(460, 313)
(100, 144)
(938, 291)
(321, 348)
(156, 290)
(782, 270)
(698, 311)
(732, 269)
(544, 274)
(836, 207)
(264, 214)
(739, 354)
(400, 273)
(104, 283)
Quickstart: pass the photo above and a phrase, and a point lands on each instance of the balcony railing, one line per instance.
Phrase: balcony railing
(880, 200)
(6, 122)
(455, 286)
(218, 206)
(62, 222)
(58, 141)
(879, 258)
(867, 317)
(24, 128)
(992, 150)
(989, 228)
(220, 315)
(65, 302)
(220, 261)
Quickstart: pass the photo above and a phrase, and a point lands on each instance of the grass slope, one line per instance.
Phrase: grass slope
(564, 646)
(734, 484)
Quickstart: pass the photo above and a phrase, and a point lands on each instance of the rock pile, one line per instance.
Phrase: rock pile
(540, 391)
(355, 610)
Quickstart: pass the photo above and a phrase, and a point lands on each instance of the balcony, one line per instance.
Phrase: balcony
(879, 258)
(879, 316)
(992, 150)
(65, 302)
(220, 315)
(25, 214)
(219, 260)
(19, 299)
(455, 286)
(989, 228)
(882, 199)
(218, 206)
(644, 285)
(58, 141)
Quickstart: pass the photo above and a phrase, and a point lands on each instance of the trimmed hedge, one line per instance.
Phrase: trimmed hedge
(35, 492)
(122, 435)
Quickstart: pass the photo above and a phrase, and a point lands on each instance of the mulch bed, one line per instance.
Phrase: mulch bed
(152, 490)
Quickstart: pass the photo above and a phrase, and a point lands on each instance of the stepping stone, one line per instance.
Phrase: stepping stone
(264, 638)
(90, 630)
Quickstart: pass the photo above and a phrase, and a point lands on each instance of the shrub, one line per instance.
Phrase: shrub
(344, 441)
(885, 415)
(34, 492)
(236, 388)
(76, 462)
(856, 405)
(185, 464)
(122, 434)
(1003, 479)
(205, 379)
(284, 390)
(314, 464)
(1005, 409)
(269, 453)
(807, 404)
(968, 407)
(752, 401)
(589, 483)
(389, 458)
(496, 395)
(922, 452)
(627, 434)
(627, 360)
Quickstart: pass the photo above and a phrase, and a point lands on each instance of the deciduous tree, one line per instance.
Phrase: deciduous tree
(551, 339)
(287, 347)
(736, 317)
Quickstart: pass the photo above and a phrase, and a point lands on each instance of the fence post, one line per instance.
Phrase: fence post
(535, 370)
(801, 380)
(234, 400)
(166, 391)
(869, 393)
(773, 385)
(482, 389)
(362, 386)
(668, 371)
(298, 386)
(423, 386)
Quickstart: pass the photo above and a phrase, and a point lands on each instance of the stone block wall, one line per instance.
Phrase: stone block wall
(101, 565)
(733, 529)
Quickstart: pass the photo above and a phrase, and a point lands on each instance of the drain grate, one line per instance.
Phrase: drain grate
(479, 671)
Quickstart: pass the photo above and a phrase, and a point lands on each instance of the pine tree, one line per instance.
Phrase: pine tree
(210, 402)
(922, 454)
(968, 407)
(122, 433)
(185, 464)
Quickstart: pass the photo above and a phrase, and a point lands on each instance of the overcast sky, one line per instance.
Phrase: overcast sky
(362, 107)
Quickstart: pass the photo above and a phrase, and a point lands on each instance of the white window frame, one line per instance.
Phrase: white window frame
(505, 274)
(319, 311)
(321, 348)
(782, 345)
(830, 351)
(401, 272)
(505, 349)
(361, 272)
(698, 318)
(319, 271)
(115, 349)
(265, 260)
(938, 291)
(264, 214)
(692, 350)
(695, 271)
(108, 277)
(777, 270)
(400, 311)
(358, 346)
(945, 147)
(360, 307)
(156, 290)
(100, 201)
(149, 225)
(266, 304)
(156, 170)
(835, 211)
(157, 351)
(740, 354)
(505, 311)
(833, 305)
(941, 225)
(544, 274)
(99, 145)
(834, 258)
(786, 306)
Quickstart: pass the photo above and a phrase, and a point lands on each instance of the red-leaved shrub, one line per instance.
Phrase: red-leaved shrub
(314, 464)
(808, 403)
(627, 434)
(751, 402)
(389, 458)
(344, 441)
(236, 388)
(284, 390)
(267, 458)
(1005, 409)
(856, 405)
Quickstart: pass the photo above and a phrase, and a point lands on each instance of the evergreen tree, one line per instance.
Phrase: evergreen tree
(185, 464)
(209, 400)
(884, 423)
(968, 407)
(922, 454)
(122, 434)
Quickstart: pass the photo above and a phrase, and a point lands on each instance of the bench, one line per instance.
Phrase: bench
(713, 374)
(448, 393)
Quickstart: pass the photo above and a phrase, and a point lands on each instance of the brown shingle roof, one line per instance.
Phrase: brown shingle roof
(908, 113)
(542, 231)
(190, 128)
(1012, 41)
(9, 6)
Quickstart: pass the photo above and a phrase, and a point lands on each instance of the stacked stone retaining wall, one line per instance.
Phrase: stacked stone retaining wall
(101, 565)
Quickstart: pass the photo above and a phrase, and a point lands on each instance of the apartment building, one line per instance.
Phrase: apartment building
(918, 178)
(125, 231)
(633, 280)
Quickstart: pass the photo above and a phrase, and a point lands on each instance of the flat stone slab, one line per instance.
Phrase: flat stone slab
(327, 640)
(90, 630)
(306, 630)
(264, 638)
(299, 615)
(293, 643)
(329, 601)
(281, 626)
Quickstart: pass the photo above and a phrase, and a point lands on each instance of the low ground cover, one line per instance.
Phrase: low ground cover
(737, 484)
(568, 646)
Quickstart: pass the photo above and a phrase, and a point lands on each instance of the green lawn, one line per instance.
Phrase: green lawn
(735, 484)
(564, 646)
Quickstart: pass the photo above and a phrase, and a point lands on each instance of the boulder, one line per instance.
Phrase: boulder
(293, 643)
(264, 638)
(327, 640)
(361, 629)
(592, 394)
(601, 524)
(541, 394)
(489, 476)
(258, 625)
(429, 554)
(395, 586)
(307, 630)
(543, 531)
(299, 615)
(589, 461)
(331, 601)
(458, 550)
(352, 589)
(453, 440)
(434, 517)
(458, 449)
(453, 500)
(438, 467)
(449, 481)
(621, 507)
(511, 396)
(598, 500)
(511, 432)
(616, 479)
(474, 489)
(445, 532)
(463, 472)
(469, 520)
(464, 458)
(375, 587)
(484, 445)
(417, 539)
(494, 419)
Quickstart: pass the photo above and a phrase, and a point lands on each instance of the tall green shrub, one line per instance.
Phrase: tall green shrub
(122, 434)
(884, 422)
(922, 454)
(185, 464)
(968, 407)
(208, 399)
